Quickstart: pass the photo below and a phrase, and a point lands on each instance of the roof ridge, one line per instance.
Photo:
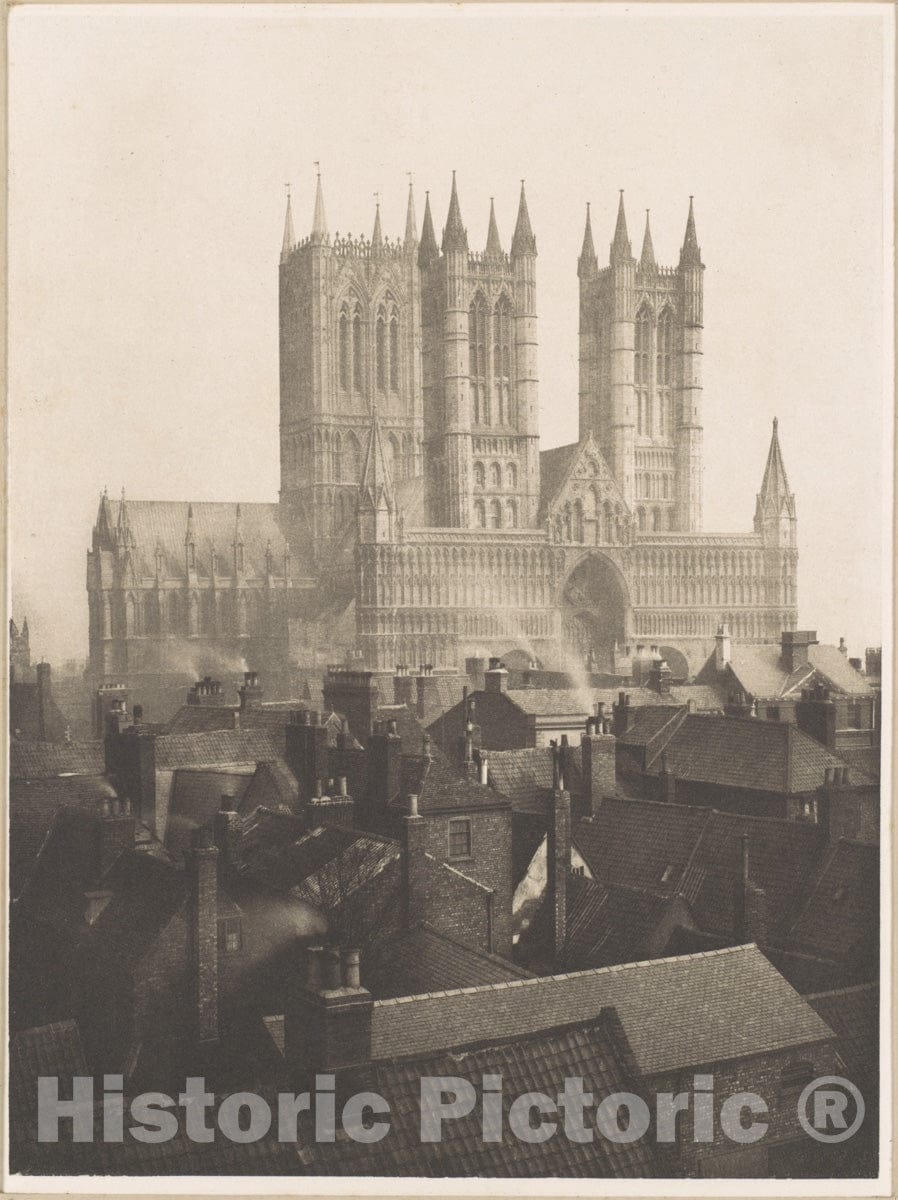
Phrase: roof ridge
(616, 968)
(872, 984)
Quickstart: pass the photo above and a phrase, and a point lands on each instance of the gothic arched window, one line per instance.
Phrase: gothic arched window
(477, 315)
(479, 514)
(664, 371)
(479, 474)
(502, 356)
(495, 475)
(380, 351)
(343, 343)
(338, 458)
(357, 347)
(511, 514)
(495, 514)
(511, 474)
(642, 371)
(394, 351)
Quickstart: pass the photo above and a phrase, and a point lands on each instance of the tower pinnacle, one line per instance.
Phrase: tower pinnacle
(493, 245)
(377, 239)
(647, 258)
(523, 241)
(690, 254)
(289, 237)
(588, 250)
(455, 236)
(411, 224)
(620, 246)
(319, 219)
(428, 250)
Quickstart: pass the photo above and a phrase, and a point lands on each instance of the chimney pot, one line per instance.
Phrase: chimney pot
(342, 783)
(351, 974)
(413, 805)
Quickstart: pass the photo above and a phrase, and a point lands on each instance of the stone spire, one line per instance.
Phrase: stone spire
(319, 219)
(428, 250)
(620, 247)
(774, 499)
(455, 236)
(376, 500)
(523, 241)
(587, 263)
(411, 223)
(647, 258)
(493, 245)
(377, 237)
(289, 237)
(690, 254)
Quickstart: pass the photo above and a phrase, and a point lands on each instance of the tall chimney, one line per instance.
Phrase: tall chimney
(558, 865)
(384, 770)
(306, 750)
(251, 691)
(226, 828)
(795, 645)
(751, 917)
(202, 904)
(495, 678)
(327, 1014)
(621, 714)
(414, 865)
(597, 751)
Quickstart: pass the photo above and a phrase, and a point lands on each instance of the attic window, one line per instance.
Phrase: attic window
(230, 938)
(667, 873)
(460, 838)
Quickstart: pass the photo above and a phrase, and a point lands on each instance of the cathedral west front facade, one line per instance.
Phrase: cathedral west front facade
(418, 521)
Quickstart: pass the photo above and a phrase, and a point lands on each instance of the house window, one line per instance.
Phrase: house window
(230, 937)
(854, 715)
(460, 838)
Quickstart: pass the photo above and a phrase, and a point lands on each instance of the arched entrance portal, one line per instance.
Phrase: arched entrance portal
(594, 602)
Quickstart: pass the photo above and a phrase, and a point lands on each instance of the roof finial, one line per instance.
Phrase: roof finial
(620, 246)
(289, 239)
(455, 236)
(493, 244)
(523, 242)
(411, 223)
(319, 219)
(690, 254)
(427, 251)
(587, 263)
(647, 258)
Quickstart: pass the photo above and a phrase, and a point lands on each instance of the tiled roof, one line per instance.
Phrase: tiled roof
(440, 785)
(649, 722)
(195, 799)
(853, 1013)
(525, 776)
(597, 1052)
(703, 697)
(676, 1012)
(213, 749)
(769, 756)
(422, 959)
(201, 718)
(273, 784)
(760, 671)
(839, 918)
(550, 702)
(697, 852)
(328, 859)
(40, 760)
(164, 523)
(49, 1050)
(605, 925)
(33, 804)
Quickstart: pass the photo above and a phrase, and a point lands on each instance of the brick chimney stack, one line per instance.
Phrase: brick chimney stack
(794, 647)
(384, 770)
(621, 714)
(355, 694)
(116, 833)
(558, 861)
(495, 677)
(815, 714)
(414, 865)
(208, 693)
(202, 906)
(597, 751)
(226, 830)
(751, 916)
(327, 1014)
(403, 686)
(251, 691)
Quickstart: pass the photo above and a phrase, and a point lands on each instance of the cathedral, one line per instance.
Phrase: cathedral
(418, 521)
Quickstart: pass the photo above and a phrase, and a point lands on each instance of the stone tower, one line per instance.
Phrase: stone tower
(350, 341)
(640, 373)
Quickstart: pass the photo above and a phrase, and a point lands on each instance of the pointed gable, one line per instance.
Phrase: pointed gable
(576, 472)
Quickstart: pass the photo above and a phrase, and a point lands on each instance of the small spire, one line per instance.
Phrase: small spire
(428, 250)
(493, 245)
(523, 241)
(319, 220)
(189, 521)
(587, 262)
(411, 223)
(238, 524)
(376, 484)
(647, 258)
(620, 247)
(289, 238)
(377, 239)
(455, 236)
(774, 498)
(690, 255)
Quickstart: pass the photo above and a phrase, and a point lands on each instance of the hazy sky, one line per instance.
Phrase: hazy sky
(149, 148)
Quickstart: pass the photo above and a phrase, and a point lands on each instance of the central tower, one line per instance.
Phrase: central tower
(640, 373)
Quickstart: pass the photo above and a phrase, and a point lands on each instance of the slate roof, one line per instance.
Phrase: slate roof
(696, 852)
(760, 671)
(768, 756)
(677, 1012)
(525, 776)
(605, 925)
(212, 749)
(195, 799)
(853, 1013)
(201, 718)
(840, 916)
(423, 959)
(597, 1051)
(164, 523)
(550, 702)
(329, 858)
(33, 804)
(439, 785)
(41, 760)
